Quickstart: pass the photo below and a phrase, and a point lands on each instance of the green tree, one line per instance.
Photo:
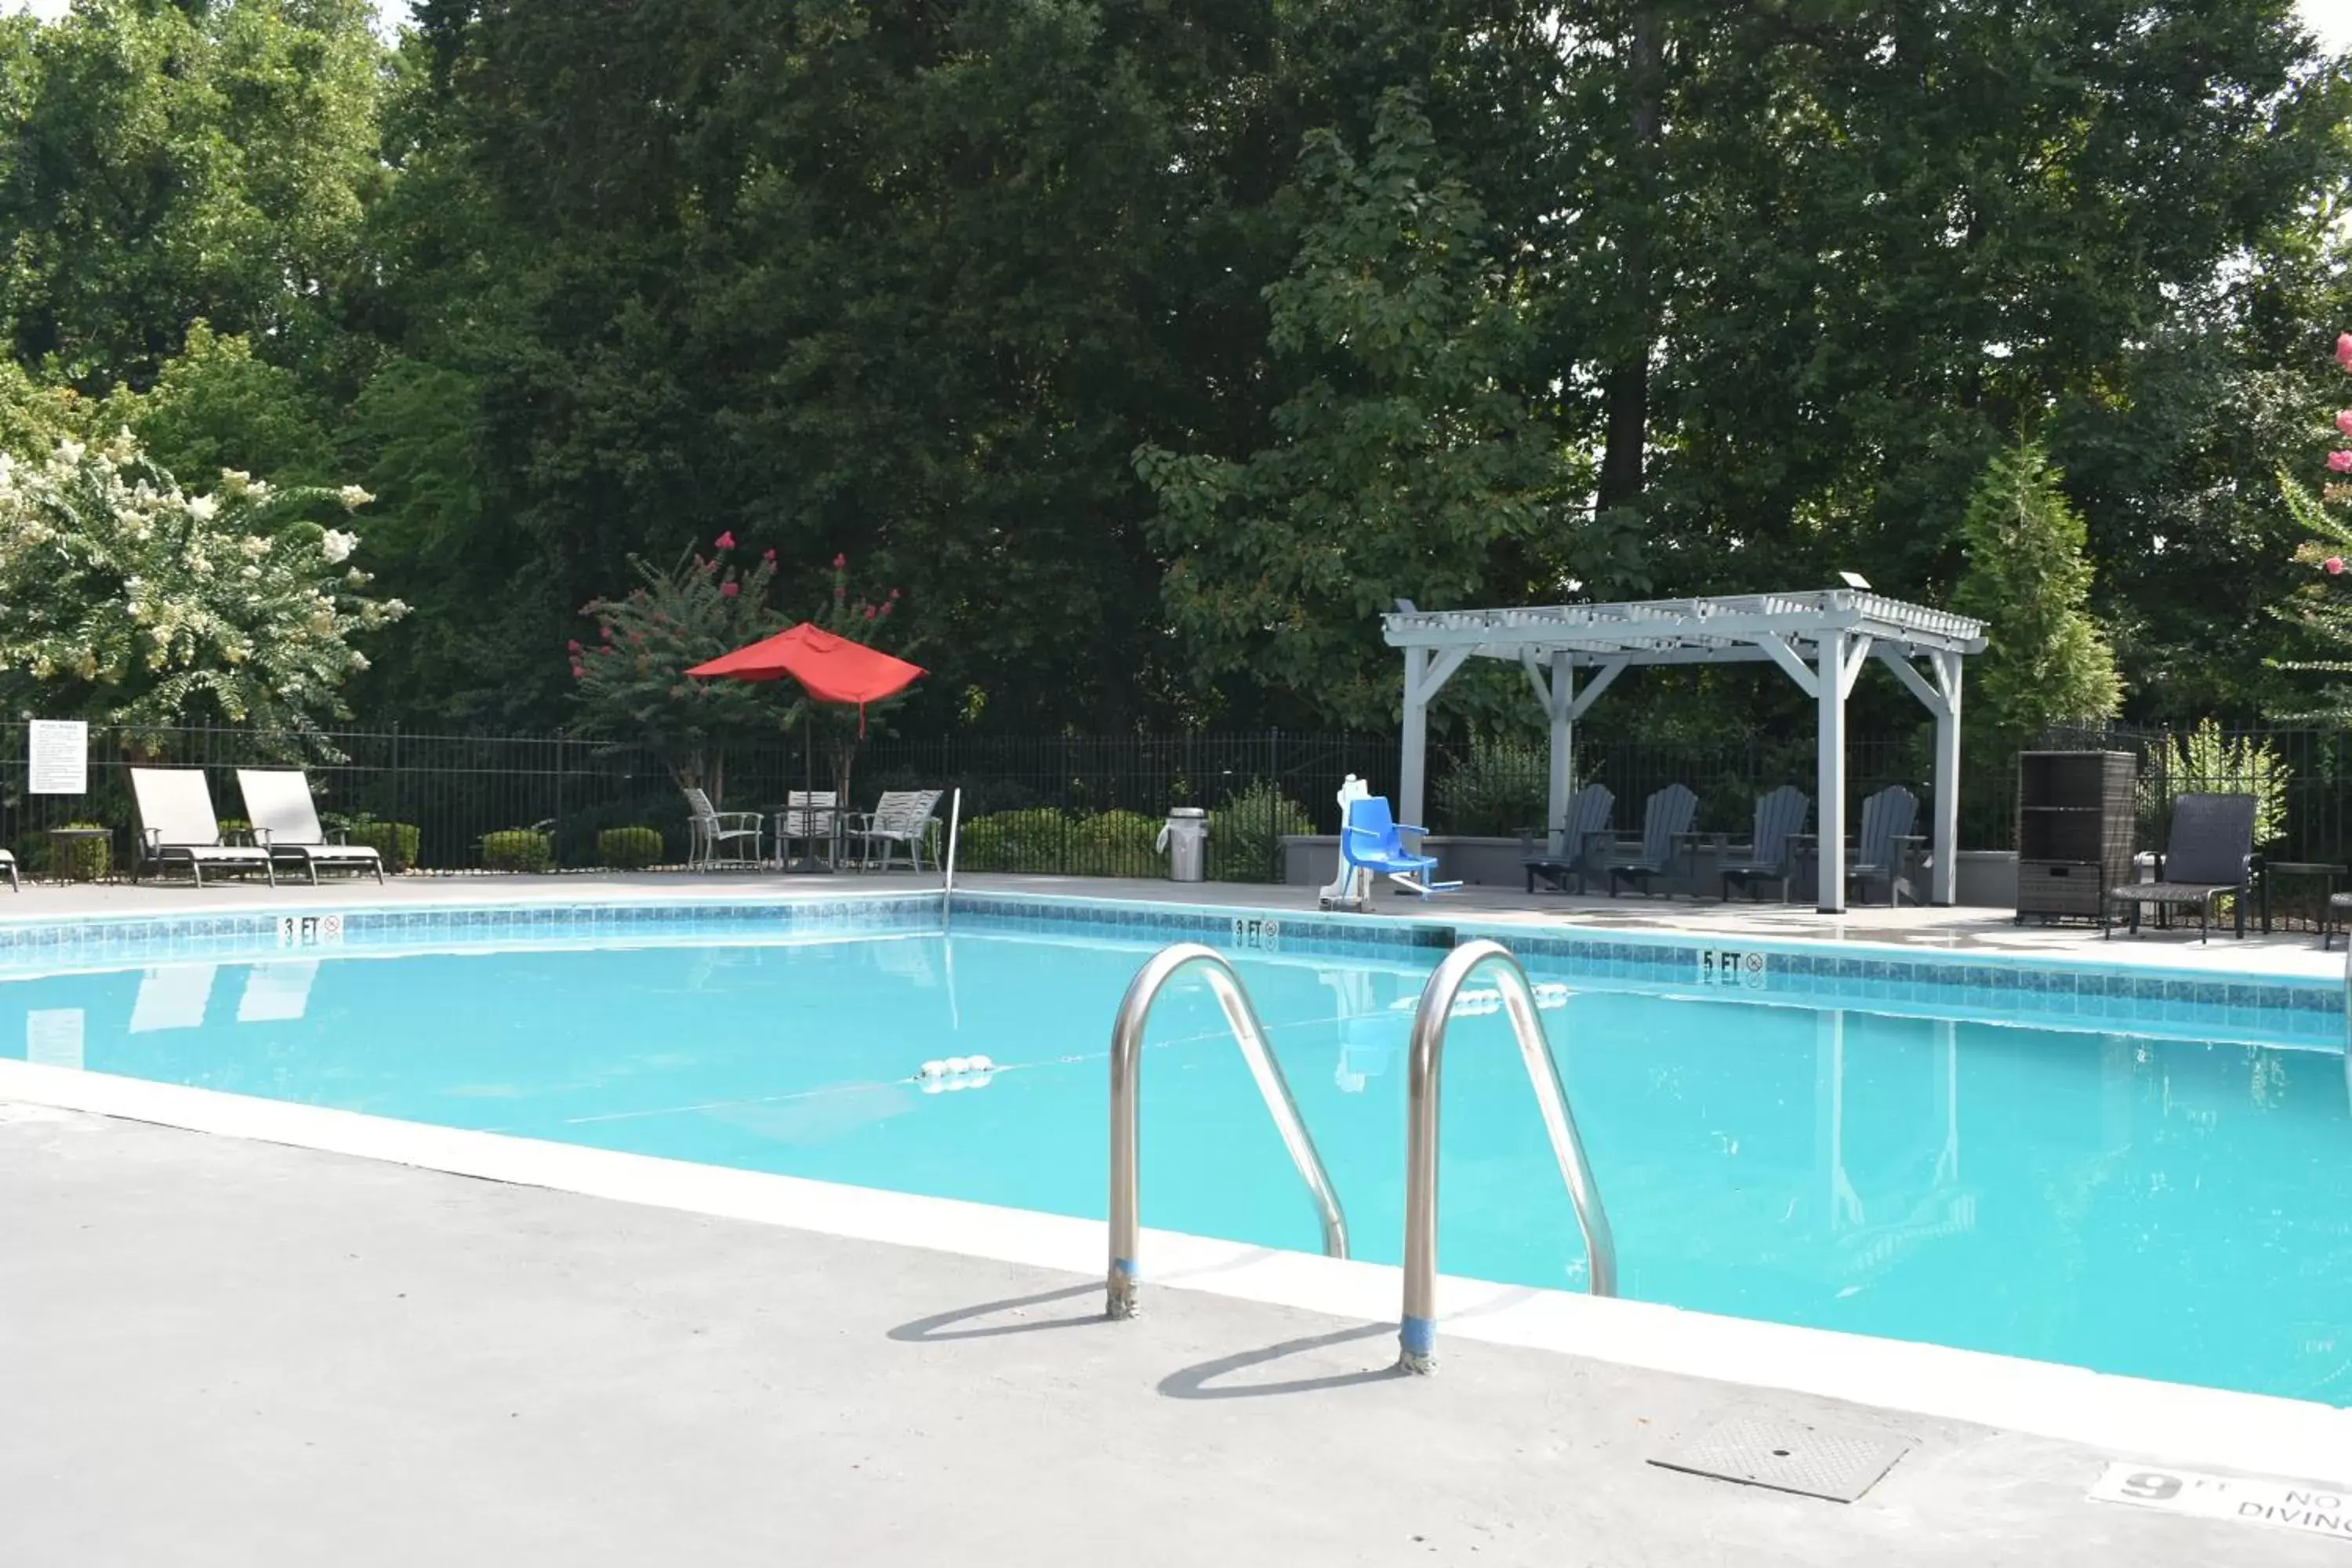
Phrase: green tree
(163, 164)
(1409, 463)
(130, 600)
(2046, 662)
(631, 679)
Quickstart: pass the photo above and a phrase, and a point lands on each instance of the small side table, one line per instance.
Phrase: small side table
(2335, 874)
(61, 837)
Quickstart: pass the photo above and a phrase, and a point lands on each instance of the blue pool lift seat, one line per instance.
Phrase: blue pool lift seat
(1369, 841)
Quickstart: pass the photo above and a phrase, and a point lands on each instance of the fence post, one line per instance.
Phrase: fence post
(556, 838)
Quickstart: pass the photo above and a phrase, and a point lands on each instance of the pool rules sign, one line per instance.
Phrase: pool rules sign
(56, 756)
(2280, 1505)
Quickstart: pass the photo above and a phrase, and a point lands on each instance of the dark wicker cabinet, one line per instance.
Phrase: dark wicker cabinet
(2074, 817)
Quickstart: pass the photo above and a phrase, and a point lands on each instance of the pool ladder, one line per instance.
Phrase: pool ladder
(1417, 1331)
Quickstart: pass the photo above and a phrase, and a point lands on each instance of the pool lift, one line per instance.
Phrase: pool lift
(1439, 1003)
(1370, 844)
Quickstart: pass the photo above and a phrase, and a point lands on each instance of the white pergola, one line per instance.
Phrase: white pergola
(1822, 638)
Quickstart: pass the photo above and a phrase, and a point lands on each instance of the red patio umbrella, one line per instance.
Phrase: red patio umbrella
(830, 668)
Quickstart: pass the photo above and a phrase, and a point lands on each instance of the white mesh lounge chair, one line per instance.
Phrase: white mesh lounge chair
(286, 822)
(900, 820)
(718, 835)
(8, 867)
(176, 824)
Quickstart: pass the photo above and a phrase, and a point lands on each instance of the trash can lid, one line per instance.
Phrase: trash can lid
(1176, 811)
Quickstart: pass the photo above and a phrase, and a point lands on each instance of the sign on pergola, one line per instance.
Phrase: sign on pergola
(1822, 638)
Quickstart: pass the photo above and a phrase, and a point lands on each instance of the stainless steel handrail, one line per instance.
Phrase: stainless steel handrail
(1417, 1331)
(1126, 1061)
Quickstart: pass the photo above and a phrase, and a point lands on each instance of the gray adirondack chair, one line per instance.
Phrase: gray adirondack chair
(1886, 821)
(1772, 850)
(1587, 820)
(2210, 852)
(1665, 822)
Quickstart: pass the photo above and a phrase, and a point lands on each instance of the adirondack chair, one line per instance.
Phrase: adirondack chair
(1877, 854)
(1770, 852)
(1665, 822)
(1586, 822)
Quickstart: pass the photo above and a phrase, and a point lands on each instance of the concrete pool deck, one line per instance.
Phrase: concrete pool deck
(227, 1348)
(218, 1351)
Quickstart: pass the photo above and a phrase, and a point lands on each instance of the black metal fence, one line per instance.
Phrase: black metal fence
(1093, 805)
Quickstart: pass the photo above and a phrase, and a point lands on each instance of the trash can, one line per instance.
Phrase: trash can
(1185, 838)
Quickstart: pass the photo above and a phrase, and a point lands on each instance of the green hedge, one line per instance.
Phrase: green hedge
(1245, 834)
(629, 848)
(1245, 840)
(518, 849)
(1044, 841)
(394, 841)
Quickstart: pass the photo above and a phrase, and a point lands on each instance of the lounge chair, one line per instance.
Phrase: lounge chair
(1665, 822)
(2212, 852)
(8, 865)
(1770, 853)
(810, 817)
(711, 831)
(286, 822)
(900, 819)
(176, 824)
(1369, 842)
(1587, 820)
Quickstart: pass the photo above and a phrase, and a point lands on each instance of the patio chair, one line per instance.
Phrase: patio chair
(1587, 820)
(1665, 822)
(2210, 852)
(1369, 842)
(1770, 853)
(811, 816)
(176, 824)
(900, 819)
(286, 821)
(711, 831)
(8, 865)
(1879, 852)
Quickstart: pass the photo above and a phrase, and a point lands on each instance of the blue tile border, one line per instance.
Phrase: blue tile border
(2003, 989)
(2071, 995)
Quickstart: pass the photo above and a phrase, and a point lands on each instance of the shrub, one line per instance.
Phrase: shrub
(395, 841)
(629, 848)
(2201, 761)
(1044, 841)
(1499, 788)
(1245, 834)
(81, 859)
(518, 849)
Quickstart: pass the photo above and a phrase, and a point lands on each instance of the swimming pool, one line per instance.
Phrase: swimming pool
(2142, 1174)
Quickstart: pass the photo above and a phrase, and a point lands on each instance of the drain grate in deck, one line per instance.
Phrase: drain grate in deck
(1839, 1463)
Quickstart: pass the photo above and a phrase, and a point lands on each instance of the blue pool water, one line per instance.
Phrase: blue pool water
(2167, 1207)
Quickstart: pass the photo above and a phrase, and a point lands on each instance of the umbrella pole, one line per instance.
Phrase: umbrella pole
(807, 863)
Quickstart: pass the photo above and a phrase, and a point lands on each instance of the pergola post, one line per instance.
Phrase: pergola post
(1411, 768)
(1943, 886)
(1829, 695)
(1562, 704)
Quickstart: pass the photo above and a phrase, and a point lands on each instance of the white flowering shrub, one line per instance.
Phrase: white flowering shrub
(124, 599)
